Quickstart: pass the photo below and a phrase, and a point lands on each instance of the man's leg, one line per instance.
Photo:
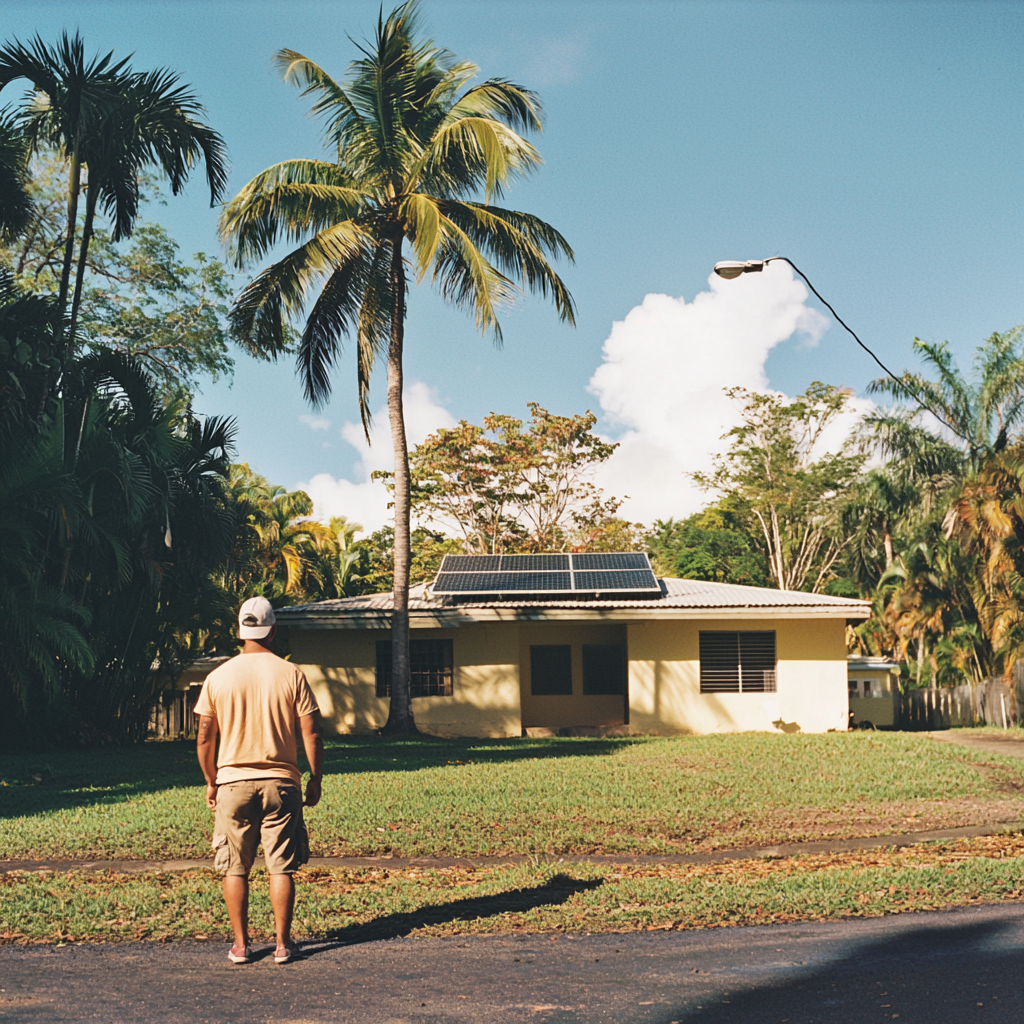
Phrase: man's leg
(236, 838)
(282, 899)
(236, 896)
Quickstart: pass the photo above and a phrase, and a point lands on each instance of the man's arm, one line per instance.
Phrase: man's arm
(206, 748)
(313, 742)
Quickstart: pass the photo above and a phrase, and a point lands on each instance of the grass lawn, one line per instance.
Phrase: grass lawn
(349, 906)
(540, 796)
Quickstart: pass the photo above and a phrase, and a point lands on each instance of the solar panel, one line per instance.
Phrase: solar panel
(471, 563)
(534, 563)
(629, 579)
(501, 582)
(626, 572)
(624, 560)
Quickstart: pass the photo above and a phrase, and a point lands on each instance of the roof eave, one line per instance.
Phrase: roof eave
(452, 618)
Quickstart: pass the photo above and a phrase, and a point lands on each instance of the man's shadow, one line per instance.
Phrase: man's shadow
(556, 890)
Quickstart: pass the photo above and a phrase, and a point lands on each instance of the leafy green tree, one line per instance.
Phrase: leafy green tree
(377, 558)
(411, 142)
(708, 545)
(783, 491)
(506, 488)
(140, 297)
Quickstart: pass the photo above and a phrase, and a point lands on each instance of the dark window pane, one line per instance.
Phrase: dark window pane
(551, 670)
(757, 662)
(432, 668)
(719, 663)
(737, 662)
(604, 669)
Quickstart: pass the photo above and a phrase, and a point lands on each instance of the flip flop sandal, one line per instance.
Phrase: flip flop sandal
(244, 957)
(284, 954)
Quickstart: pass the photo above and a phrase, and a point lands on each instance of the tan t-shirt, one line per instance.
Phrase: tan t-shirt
(257, 700)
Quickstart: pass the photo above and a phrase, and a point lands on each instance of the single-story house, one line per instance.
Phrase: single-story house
(688, 657)
(874, 691)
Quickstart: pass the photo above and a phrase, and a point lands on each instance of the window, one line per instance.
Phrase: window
(432, 668)
(737, 662)
(604, 669)
(854, 687)
(551, 670)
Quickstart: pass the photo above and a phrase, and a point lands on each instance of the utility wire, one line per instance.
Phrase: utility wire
(902, 383)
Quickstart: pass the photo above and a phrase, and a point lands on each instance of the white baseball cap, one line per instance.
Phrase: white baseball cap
(255, 619)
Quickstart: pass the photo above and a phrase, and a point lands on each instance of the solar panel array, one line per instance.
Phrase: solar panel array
(477, 575)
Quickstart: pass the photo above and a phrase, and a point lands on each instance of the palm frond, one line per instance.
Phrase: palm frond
(288, 202)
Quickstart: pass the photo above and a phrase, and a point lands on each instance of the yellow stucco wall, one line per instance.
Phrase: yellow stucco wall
(340, 666)
(664, 679)
(558, 712)
(492, 694)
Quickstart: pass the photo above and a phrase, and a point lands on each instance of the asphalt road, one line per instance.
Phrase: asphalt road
(938, 968)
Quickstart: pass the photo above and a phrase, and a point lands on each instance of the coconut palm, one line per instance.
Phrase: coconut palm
(412, 142)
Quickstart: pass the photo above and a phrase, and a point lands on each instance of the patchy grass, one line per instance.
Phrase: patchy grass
(541, 796)
(350, 906)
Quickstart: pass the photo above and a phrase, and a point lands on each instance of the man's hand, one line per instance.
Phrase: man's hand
(313, 791)
(206, 747)
(313, 741)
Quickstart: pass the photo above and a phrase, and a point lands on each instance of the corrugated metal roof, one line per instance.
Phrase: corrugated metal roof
(676, 594)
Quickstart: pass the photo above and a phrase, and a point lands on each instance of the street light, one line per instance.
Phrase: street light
(730, 269)
(733, 268)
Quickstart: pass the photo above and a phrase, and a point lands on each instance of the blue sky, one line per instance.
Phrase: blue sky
(878, 145)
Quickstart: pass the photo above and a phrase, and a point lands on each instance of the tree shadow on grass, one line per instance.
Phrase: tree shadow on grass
(353, 754)
(85, 778)
(556, 890)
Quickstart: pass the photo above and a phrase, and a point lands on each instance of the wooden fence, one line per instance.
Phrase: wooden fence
(995, 701)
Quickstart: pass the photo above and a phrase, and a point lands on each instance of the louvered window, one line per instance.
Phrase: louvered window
(431, 670)
(737, 662)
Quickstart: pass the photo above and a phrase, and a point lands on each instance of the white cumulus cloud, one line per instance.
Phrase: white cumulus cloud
(316, 422)
(662, 377)
(364, 500)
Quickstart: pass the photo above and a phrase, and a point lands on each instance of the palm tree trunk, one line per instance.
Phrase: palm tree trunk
(83, 252)
(400, 718)
(74, 187)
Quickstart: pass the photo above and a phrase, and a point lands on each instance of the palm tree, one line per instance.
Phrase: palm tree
(981, 412)
(75, 93)
(112, 123)
(15, 194)
(412, 142)
(154, 122)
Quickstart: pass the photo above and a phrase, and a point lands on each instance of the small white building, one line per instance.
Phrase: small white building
(874, 691)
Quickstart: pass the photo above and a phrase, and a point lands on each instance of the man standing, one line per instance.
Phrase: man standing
(258, 704)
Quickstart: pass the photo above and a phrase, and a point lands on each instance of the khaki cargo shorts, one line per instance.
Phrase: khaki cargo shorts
(267, 810)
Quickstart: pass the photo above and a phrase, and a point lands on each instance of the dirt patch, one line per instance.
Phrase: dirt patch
(857, 821)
